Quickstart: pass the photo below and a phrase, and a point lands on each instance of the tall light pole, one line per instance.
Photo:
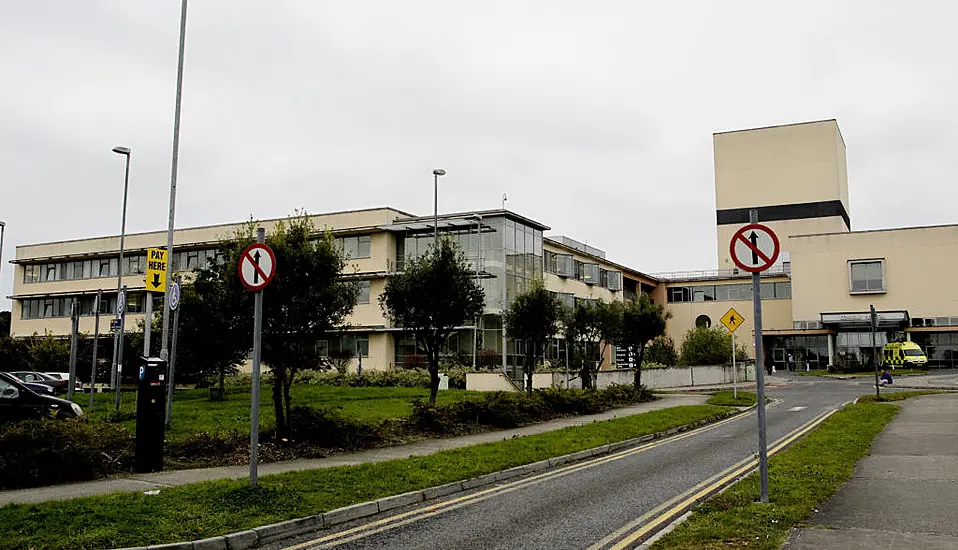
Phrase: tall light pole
(118, 336)
(435, 228)
(3, 228)
(164, 350)
(475, 326)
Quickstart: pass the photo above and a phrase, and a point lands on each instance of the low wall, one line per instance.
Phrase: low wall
(708, 375)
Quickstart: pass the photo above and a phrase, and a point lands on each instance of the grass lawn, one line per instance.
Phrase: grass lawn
(193, 411)
(219, 507)
(727, 399)
(887, 396)
(800, 477)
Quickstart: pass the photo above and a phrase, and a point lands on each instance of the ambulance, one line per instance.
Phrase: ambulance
(900, 354)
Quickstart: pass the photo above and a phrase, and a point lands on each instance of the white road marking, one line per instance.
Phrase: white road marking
(796, 409)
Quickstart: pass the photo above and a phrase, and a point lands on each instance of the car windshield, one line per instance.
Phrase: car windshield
(913, 353)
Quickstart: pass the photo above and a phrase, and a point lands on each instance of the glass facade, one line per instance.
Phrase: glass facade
(727, 293)
(508, 254)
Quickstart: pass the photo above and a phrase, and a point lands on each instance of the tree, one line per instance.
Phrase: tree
(4, 323)
(306, 300)
(534, 316)
(434, 294)
(708, 346)
(662, 351)
(590, 327)
(642, 321)
(214, 334)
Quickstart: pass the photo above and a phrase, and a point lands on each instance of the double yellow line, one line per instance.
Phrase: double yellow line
(639, 529)
(406, 518)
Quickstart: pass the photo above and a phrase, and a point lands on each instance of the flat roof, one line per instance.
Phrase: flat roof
(780, 126)
(226, 224)
(624, 269)
(410, 219)
(887, 229)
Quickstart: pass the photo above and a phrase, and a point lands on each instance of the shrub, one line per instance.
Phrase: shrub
(330, 429)
(369, 378)
(509, 410)
(48, 451)
(709, 346)
(662, 351)
(457, 377)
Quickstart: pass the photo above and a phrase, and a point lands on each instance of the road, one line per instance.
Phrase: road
(608, 502)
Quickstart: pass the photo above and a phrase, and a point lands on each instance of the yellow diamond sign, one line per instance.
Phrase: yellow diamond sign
(732, 320)
(156, 269)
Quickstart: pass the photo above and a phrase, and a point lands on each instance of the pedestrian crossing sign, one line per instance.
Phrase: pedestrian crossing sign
(732, 320)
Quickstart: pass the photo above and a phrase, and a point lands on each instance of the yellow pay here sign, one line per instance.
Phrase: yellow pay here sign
(156, 269)
(732, 320)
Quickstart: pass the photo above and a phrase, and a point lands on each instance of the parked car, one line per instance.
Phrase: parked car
(64, 376)
(59, 386)
(19, 402)
(39, 388)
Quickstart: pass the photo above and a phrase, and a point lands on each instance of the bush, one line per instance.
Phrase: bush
(662, 351)
(369, 378)
(509, 410)
(709, 346)
(48, 451)
(330, 429)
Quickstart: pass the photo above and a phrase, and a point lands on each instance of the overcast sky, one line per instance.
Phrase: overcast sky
(596, 118)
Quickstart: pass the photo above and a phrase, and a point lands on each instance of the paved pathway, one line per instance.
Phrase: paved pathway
(904, 494)
(147, 482)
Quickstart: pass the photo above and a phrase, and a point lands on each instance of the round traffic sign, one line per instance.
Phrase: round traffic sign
(174, 295)
(257, 266)
(120, 302)
(754, 248)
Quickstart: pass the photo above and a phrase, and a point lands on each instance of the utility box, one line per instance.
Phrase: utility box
(150, 415)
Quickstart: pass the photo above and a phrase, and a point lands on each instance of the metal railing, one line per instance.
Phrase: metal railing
(780, 269)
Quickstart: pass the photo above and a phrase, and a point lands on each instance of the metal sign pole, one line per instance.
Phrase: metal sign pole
(75, 314)
(734, 387)
(257, 345)
(96, 340)
(176, 329)
(874, 323)
(121, 305)
(759, 374)
(148, 324)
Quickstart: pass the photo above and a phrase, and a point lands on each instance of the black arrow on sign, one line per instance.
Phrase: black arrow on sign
(754, 238)
(256, 271)
(156, 280)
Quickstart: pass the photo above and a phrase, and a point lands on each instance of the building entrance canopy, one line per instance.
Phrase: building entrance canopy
(897, 319)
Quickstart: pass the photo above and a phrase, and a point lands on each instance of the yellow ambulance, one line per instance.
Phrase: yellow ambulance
(900, 354)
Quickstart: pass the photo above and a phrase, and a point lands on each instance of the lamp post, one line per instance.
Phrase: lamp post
(164, 350)
(3, 227)
(475, 326)
(118, 337)
(435, 228)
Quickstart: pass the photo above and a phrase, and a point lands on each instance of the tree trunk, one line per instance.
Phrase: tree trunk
(278, 410)
(530, 368)
(433, 376)
(222, 382)
(639, 356)
(287, 404)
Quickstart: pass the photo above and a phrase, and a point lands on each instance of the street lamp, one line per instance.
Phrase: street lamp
(3, 227)
(435, 229)
(118, 337)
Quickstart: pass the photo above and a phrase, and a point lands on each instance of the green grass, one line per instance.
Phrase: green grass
(727, 399)
(218, 507)
(799, 478)
(887, 396)
(193, 411)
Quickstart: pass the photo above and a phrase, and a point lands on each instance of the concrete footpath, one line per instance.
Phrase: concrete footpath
(904, 494)
(160, 480)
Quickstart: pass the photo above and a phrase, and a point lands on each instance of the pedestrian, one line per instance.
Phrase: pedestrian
(885, 378)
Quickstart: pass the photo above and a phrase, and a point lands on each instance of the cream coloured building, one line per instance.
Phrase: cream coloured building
(507, 251)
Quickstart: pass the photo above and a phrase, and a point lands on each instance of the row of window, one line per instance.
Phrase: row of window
(565, 265)
(727, 293)
(185, 260)
(349, 345)
(101, 268)
(62, 306)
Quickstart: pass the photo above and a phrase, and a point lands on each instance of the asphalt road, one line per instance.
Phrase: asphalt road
(579, 506)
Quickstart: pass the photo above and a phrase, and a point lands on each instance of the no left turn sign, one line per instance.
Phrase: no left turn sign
(257, 266)
(754, 248)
